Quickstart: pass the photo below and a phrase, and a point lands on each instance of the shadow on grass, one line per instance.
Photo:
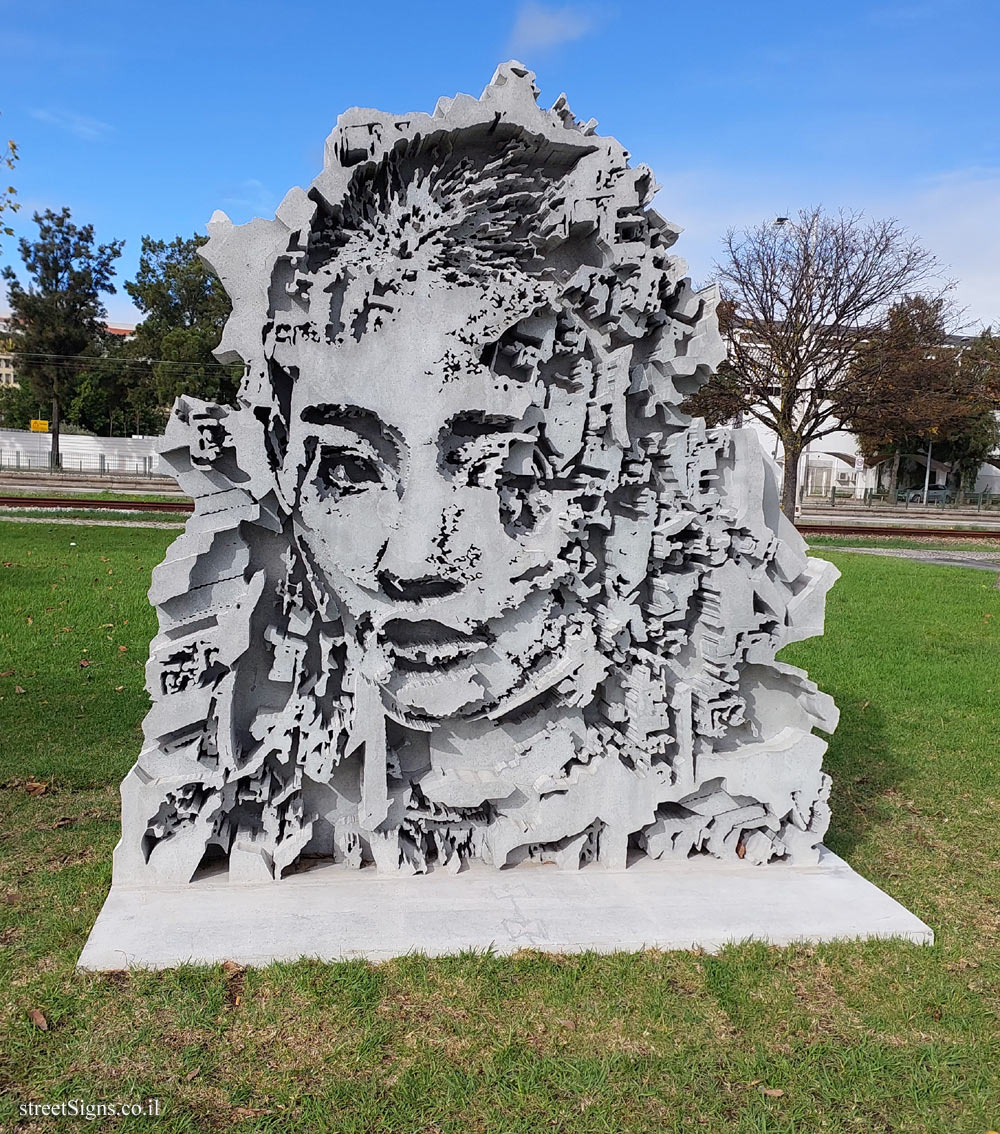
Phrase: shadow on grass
(864, 767)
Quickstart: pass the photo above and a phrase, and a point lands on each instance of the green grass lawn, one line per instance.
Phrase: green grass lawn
(83, 515)
(878, 1036)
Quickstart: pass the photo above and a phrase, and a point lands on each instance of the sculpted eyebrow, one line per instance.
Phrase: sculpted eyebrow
(359, 420)
(478, 423)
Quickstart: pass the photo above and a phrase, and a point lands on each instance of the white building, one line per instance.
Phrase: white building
(6, 358)
(835, 461)
(832, 462)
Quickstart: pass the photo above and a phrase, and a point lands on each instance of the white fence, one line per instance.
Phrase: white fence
(121, 456)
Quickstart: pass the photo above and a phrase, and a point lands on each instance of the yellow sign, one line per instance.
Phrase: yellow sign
(39, 426)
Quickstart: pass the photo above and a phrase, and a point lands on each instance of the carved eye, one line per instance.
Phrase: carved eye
(476, 448)
(482, 459)
(345, 472)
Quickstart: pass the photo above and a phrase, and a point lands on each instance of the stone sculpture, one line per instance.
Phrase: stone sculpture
(462, 581)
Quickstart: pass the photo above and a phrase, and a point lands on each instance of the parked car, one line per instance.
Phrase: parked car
(934, 496)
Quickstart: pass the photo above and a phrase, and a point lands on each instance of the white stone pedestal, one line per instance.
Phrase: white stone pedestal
(333, 913)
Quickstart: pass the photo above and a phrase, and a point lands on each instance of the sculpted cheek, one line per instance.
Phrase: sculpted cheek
(349, 536)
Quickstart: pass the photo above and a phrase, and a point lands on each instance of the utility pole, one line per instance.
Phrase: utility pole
(927, 471)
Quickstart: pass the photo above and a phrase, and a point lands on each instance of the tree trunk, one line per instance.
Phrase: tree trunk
(894, 477)
(790, 480)
(55, 459)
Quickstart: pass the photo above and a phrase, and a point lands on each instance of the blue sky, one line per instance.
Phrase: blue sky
(144, 118)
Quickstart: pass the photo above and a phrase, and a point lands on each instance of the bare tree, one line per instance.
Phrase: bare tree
(799, 297)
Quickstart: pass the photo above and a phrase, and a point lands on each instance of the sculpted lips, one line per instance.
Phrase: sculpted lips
(430, 645)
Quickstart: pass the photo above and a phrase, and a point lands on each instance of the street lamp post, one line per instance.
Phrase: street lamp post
(927, 471)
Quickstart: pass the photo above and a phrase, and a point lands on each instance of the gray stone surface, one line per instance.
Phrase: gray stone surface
(463, 585)
(334, 913)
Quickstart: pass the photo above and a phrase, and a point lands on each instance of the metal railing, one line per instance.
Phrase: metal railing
(941, 500)
(95, 464)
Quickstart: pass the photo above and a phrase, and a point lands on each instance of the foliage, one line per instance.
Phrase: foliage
(909, 373)
(968, 446)
(979, 438)
(8, 156)
(876, 1036)
(115, 394)
(18, 405)
(798, 300)
(924, 385)
(185, 309)
(59, 316)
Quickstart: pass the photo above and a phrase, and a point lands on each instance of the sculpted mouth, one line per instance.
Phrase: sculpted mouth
(429, 645)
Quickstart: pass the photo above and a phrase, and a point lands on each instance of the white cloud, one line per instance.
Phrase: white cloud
(538, 27)
(82, 125)
(250, 198)
(954, 215)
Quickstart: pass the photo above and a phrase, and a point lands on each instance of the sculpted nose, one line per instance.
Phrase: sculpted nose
(415, 564)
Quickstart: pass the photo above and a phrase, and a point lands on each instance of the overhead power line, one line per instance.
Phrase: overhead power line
(96, 360)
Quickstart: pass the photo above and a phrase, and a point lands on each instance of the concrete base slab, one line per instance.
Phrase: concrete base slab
(333, 913)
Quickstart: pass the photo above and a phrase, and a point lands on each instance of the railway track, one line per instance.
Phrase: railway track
(886, 530)
(68, 502)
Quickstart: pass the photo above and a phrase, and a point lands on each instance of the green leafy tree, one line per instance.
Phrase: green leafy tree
(927, 387)
(18, 405)
(798, 300)
(185, 308)
(908, 370)
(114, 393)
(969, 447)
(979, 438)
(59, 316)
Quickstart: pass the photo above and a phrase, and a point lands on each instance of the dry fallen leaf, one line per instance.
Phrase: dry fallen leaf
(119, 688)
(84, 663)
(34, 787)
(64, 821)
(18, 689)
(7, 673)
(192, 1074)
(122, 649)
(38, 1019)
(772, 1092)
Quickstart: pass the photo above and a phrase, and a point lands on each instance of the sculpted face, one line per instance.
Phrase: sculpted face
(463, 581)
(427, 505)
